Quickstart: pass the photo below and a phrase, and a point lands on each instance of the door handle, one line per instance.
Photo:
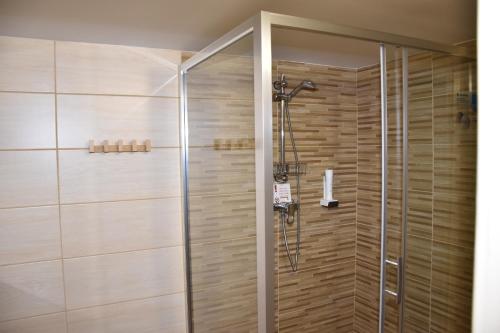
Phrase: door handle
(399, 280)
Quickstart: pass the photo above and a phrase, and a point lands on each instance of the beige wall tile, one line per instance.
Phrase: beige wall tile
(98, 228)
(31, 289)
(116, 69)
(104, 279)
(85, 117)
(29, 234)
(153, 315)
(118, 176)
(28, 178)
(26, 64)
(27, 121)
(53, 323)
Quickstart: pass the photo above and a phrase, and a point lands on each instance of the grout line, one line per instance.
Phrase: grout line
(86, 94)
(30, 206)
(31, 262)
(120, 200)
(92, 255)
(126, 301)
(58, 176)
(44, 260)
(92, 202)
(29, 317)
(125, 251)
(27, 92)
(96, 306)
(26, 149)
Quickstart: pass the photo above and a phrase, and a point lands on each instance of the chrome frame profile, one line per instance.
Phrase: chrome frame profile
(383, 204)
(404, 225)
(261, 25)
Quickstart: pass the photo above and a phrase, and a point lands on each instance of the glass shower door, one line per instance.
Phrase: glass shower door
(221, 207)
(429, 191)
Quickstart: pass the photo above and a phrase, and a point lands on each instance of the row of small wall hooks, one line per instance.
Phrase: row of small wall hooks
(119, 147)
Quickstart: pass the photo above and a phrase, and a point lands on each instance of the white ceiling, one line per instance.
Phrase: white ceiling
(193, 24)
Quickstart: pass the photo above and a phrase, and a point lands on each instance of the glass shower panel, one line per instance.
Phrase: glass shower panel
(221, 191)
(442, 143)
(395, 187)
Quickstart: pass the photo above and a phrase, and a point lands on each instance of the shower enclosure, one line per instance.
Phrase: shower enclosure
(399, 132)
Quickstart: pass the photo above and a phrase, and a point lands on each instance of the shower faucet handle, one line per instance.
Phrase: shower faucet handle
(281, 83)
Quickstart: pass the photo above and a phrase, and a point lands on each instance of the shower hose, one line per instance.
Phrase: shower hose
(294, 260)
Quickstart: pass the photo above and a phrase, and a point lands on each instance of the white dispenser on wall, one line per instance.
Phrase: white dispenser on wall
(328, 200)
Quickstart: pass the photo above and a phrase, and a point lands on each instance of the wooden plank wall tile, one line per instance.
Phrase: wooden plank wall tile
(441, 195)
(320, 296)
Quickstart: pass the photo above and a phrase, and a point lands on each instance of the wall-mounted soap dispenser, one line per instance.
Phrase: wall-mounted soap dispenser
(328, 200)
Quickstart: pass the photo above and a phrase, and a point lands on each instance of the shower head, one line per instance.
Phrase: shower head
(309, 85)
